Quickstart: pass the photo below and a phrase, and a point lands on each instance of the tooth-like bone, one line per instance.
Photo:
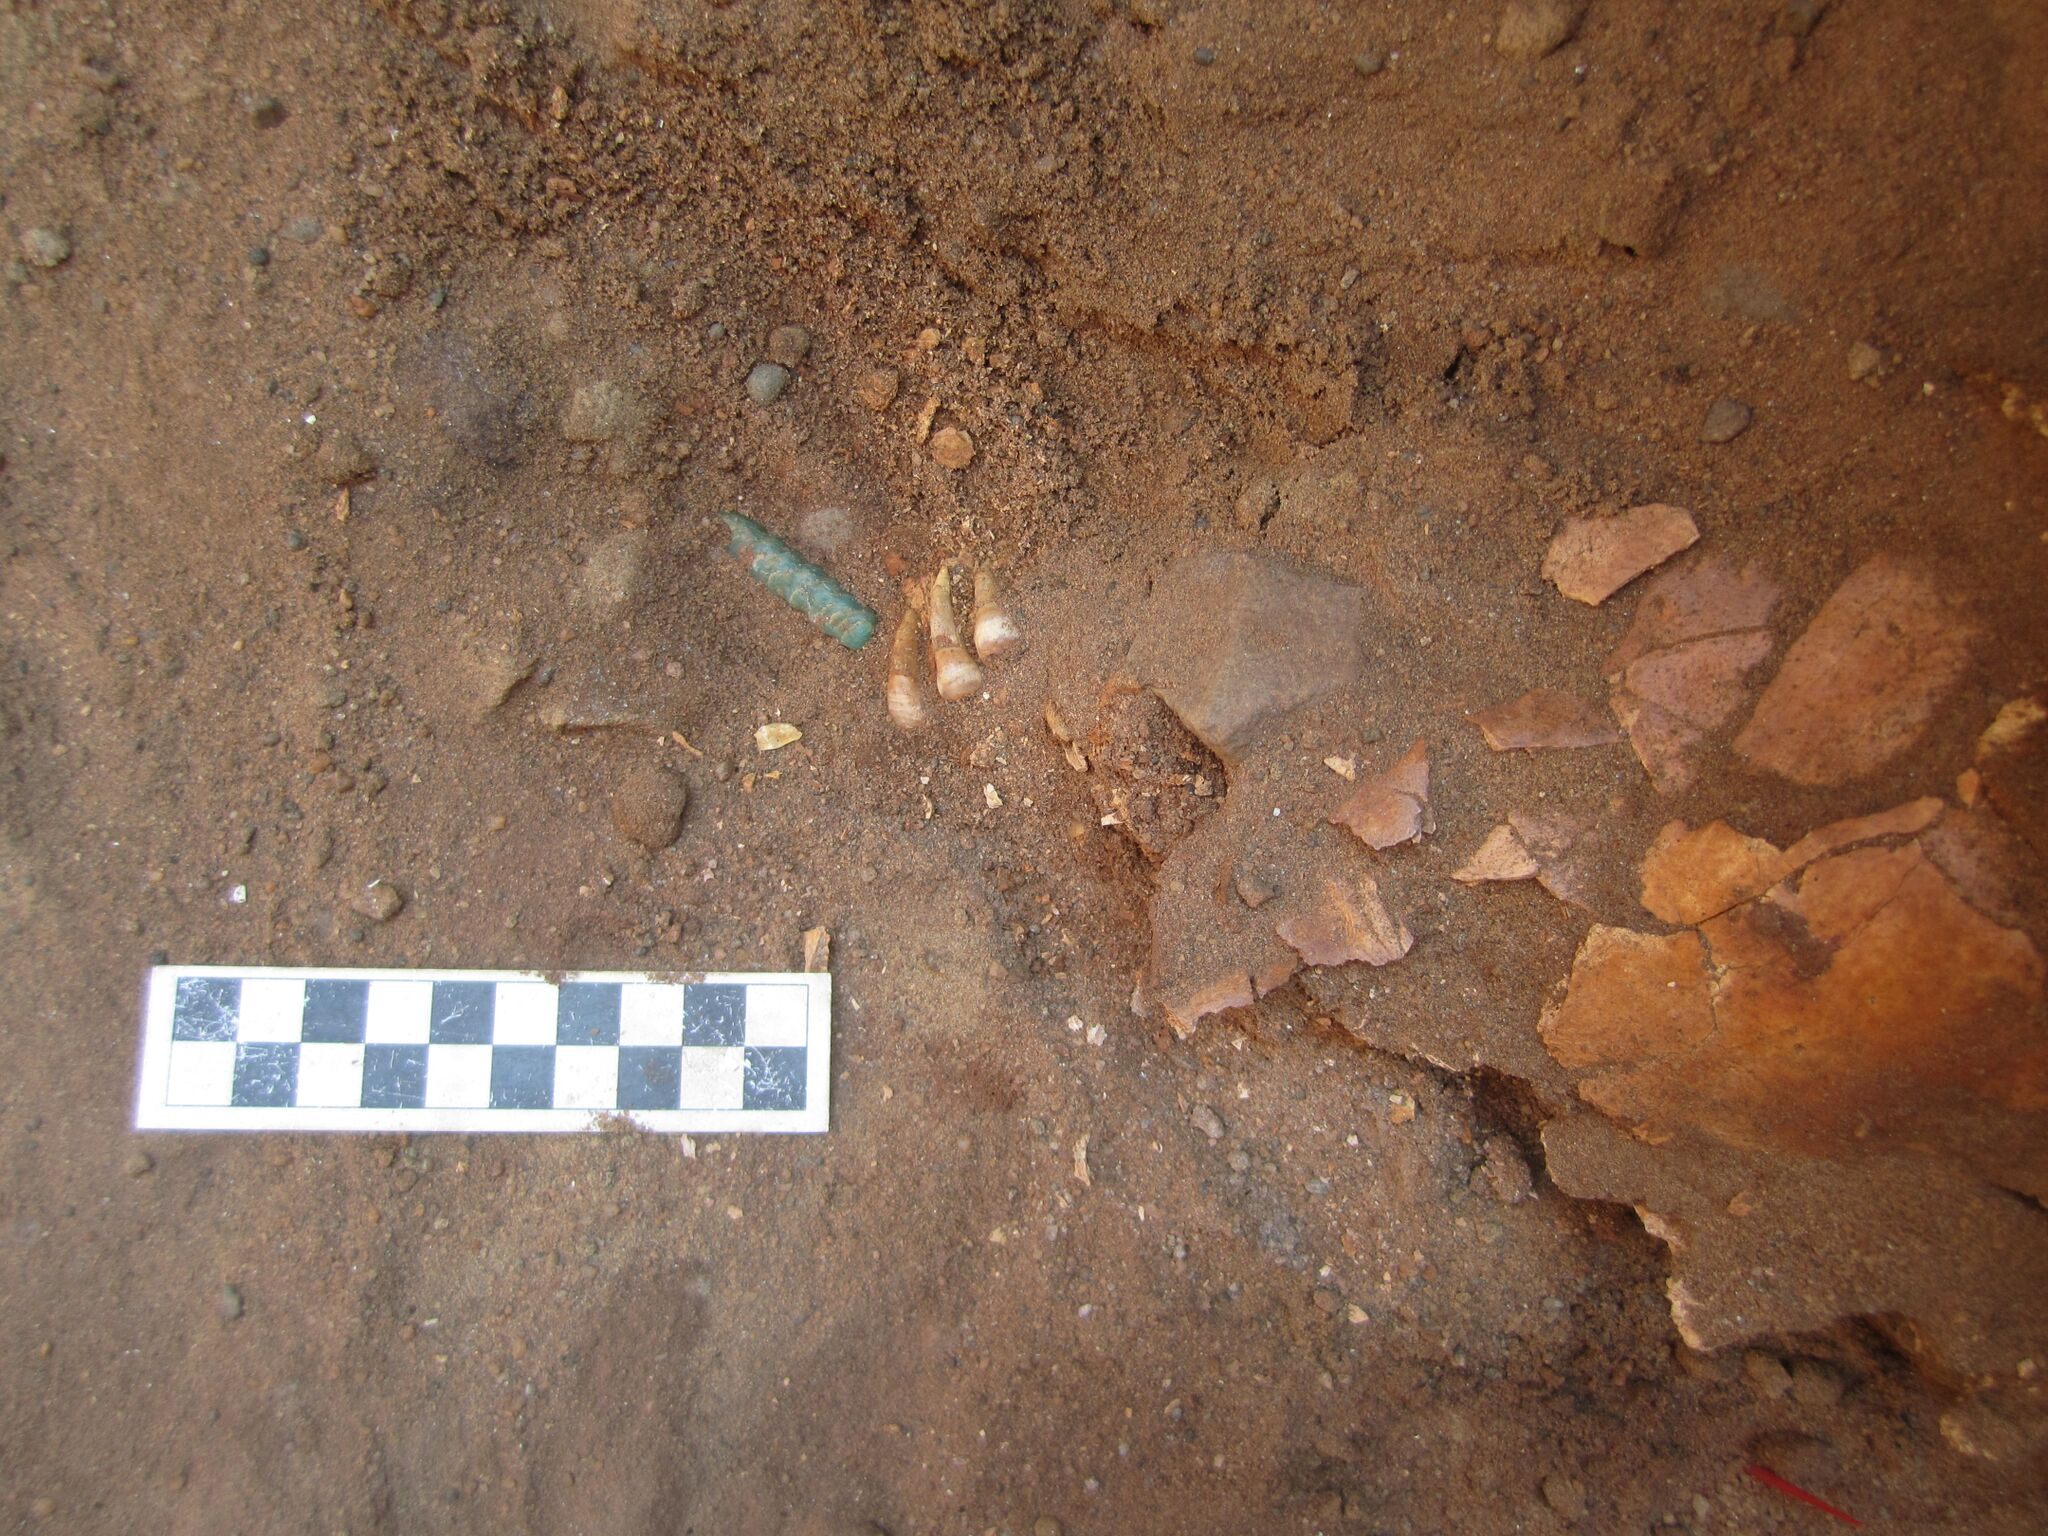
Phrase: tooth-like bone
(906, 696)
(994, 631)
(959, 677)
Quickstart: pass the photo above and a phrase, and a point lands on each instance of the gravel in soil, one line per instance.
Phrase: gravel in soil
(365, 604)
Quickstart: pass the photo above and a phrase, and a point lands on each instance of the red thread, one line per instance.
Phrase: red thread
(1770, 1479)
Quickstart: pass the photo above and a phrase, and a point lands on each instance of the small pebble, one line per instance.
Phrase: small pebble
(1327, 1300)
(788, 345)
(649, 805)
(46, 247)
(1565, 1496)
(691, 298)
(1240, 1161)
(294, 540)
(1205, 55)
(258, 255)
(1529, 29)
(1045, 1525)
(380, 901)
(1726, 420)
(952, 448)
(43, 1508)
(1369, 62)
(766, 382)
(877, 388)
(1864, 360)
(266, 111)
(140, 1163)
(231, 1306)
(1207, 1121)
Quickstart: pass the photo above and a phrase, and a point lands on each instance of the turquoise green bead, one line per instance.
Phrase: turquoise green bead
(799, 583)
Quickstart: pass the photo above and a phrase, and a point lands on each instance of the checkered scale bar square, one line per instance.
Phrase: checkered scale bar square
(392, 1050)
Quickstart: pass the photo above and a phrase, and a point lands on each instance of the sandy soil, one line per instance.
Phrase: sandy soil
(361, 448)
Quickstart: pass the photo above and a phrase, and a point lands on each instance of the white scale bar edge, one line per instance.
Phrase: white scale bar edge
(154, 1113)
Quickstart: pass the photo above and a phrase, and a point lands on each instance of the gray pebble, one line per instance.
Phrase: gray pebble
(304, 230)
(1369, 61)
(1207, 1121)
(1205, 55)
(766, 382)
(294, 540)
(231, 1306)
(1240, 1161)
(46, 247)
(1726, 420)
(258, 256)
(140, 1163)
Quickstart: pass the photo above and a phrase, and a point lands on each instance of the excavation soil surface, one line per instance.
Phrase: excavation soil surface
(373, 378)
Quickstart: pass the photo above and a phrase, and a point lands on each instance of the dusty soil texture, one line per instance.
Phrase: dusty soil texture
(372, 376)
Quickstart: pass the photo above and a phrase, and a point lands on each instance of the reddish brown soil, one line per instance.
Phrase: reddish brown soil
(1163, 252)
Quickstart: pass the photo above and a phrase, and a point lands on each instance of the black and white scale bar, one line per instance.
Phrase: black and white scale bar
(237, 1048)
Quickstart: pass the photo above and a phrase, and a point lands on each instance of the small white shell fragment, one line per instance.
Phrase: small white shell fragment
(994, 800)
(1345, 768)
(775, 735)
